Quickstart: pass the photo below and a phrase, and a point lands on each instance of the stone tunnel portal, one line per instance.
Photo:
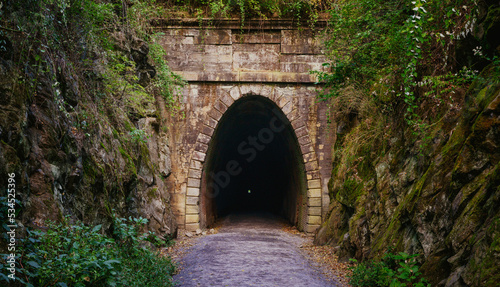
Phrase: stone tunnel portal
(254, 163)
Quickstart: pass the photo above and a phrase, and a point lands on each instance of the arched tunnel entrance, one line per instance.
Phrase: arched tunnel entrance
(254, 163)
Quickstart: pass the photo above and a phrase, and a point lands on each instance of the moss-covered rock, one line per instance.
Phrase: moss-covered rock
(438, 199)
(68, 108)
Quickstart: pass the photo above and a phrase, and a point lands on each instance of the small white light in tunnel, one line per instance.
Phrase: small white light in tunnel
(249, 191)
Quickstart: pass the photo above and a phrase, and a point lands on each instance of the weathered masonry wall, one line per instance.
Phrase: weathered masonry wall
(223, 63)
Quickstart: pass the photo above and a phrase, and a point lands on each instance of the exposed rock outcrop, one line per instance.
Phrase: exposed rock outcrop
(78, 152)
(439, 197)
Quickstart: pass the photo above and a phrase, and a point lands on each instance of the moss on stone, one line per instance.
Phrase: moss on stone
(129, 165)
(350, 192)
(152, 193)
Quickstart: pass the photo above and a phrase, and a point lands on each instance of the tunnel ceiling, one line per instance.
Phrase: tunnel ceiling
(254, 162)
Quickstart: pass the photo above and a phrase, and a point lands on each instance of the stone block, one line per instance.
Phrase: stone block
(315, 183)
(201, 147)
(208, 74)
(211, 123)
(311, 228)
(306, 148)
(195, 164)
(267, 91)
(314, 174)
(284, 100)
(209, 131)
(214, 37)
(304, 140)
(178, 202)
(215, 114)
(180, 219)
(192, 218)
(274, 77)
(199, 156)
(314, 211)
(227, 100)
(220, 106)
(309, 157)
(202, 138)
(298, 122)
(314, 201)
(193, 191)
(194, 182)
(257, 37)
(300, 42)
(235, 93)
(192, 226)
(314, 220)
(249, 89)
(192, 209)
(182, 57)
(194, 173)
(256, 57)
(312, 165)
(302, 63)
(314, 192)
(192, 200)
(287, 108)
(300, 132)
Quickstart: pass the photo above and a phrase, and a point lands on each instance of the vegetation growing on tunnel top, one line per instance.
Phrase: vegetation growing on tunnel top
(302, 11)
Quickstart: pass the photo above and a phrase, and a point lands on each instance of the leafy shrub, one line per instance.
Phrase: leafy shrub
(395, 270)
(299, 10)
(386, 48)
(140, 266)
(78, 255)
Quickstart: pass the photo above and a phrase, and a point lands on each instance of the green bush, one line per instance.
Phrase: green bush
(140, 266)
(395, 270)
(391, 50)
(78, 255)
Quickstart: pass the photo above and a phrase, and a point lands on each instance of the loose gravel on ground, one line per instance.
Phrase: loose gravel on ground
(253, 250)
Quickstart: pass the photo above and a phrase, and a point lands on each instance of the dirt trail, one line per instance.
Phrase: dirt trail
(249, 250)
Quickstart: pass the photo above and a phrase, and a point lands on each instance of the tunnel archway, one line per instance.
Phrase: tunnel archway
(254, 163)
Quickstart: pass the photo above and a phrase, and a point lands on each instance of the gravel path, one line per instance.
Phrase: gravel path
(249, 250)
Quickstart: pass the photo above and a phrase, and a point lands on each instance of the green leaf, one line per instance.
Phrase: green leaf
(109, 262)
(34, 264)
(4, 277)
(96, 228)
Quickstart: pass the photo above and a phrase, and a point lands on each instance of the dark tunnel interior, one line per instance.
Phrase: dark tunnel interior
(254, 163)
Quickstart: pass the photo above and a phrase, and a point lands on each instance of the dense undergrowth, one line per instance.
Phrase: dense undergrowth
(73, 254)
(394, 270)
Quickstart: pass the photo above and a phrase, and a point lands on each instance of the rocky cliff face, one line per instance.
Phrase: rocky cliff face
(76, 148)
(437, 193)
(438, 196)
